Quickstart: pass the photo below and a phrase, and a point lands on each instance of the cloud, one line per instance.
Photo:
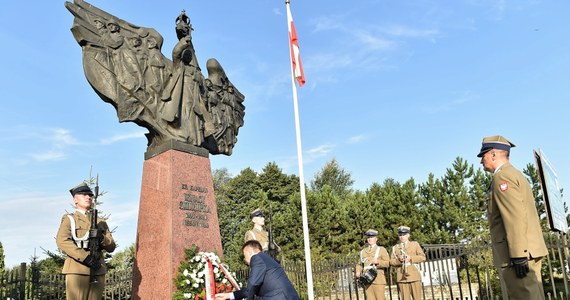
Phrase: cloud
(50, 155)
(372, 41)
(122, 137)
(62, 137)
(407, 32)
(59, 139)
(357, 139)
(319, 151)
(464, 98)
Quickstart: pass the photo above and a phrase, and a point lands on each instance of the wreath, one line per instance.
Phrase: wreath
(202, 275)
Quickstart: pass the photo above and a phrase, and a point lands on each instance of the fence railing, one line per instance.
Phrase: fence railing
(451, 272)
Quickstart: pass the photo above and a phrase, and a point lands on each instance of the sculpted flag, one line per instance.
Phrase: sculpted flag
(294, 44)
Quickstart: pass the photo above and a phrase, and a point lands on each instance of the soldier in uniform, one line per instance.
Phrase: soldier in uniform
(73, 239)
(374, 256)
(516, 235)
(405, 256)
(257, 233)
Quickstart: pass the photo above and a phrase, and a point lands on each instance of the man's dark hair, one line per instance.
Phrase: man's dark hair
(252, 244)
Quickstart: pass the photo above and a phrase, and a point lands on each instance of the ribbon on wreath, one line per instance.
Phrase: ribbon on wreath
(210, 279)
(229, 277)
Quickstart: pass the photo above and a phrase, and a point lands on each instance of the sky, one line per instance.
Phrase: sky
(394, 89)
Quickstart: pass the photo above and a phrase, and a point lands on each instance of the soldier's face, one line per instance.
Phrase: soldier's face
(404, 237)
(487, 160)
(259, 220)
(83, 201)
(372, 240)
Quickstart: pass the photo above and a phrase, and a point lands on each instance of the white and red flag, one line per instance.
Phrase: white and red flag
(296, 64)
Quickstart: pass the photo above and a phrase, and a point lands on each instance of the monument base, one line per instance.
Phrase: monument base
(177, 210)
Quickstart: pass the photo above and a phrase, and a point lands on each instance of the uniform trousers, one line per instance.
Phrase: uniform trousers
(78, 287)
(410, 289)
(528, 287)
(375, 291)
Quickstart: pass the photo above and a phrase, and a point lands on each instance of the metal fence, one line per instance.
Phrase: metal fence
(451, 272)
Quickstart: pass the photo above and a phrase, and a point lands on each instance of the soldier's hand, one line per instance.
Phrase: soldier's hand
(92, 262)
(520, 264)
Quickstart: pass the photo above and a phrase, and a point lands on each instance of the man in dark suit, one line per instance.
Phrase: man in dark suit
(267, 279)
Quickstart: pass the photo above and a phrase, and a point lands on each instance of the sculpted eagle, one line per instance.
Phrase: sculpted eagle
(124, 64)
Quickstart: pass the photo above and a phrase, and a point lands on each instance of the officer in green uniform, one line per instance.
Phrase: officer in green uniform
(405, 256)
(73, 239)
(516, 235)
(374, 256)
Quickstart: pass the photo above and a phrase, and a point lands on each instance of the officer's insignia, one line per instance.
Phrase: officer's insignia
(504, 186)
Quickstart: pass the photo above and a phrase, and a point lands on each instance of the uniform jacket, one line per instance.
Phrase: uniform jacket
(413, 250)
(76, 255)
(513, 218)
(261, 236)
(267, 280)
(367, 255)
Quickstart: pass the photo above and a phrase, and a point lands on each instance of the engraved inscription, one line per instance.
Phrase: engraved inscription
(195, 202)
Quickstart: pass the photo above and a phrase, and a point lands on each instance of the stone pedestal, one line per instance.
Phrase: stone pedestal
(177, 209)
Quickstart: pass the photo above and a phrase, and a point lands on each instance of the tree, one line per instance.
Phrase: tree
(236, 198)
(335, 177)
(2, 265)
(453, 213)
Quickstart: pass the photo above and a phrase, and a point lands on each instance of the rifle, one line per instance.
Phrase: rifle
(272, 251)
(94, 238)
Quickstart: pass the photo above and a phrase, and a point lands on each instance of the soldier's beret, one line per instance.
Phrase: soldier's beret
(81, 188)
(403, 230)
(256, 213)
(495, 142)
(371, 233)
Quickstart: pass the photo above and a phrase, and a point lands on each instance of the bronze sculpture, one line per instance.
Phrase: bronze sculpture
(124, 64)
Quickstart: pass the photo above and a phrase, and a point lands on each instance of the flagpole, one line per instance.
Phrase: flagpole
(308, 266)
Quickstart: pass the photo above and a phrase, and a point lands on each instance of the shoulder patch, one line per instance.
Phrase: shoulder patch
(503, 186)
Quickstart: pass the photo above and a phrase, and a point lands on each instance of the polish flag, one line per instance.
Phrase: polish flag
(294, 44)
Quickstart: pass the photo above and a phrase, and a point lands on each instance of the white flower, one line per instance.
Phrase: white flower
(195, 285)
(200, 274)
(224, 281)
(187, 281)
(187, 295)
(185, 273)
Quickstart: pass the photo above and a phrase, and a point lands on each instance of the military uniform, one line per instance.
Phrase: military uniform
(515, 226)
(376, 290)
(72, 239)
(409, 281)
(259, 235)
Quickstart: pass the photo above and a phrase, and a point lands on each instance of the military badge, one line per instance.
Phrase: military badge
(504, 186)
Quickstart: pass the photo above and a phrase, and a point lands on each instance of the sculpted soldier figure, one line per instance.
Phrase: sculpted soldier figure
(123, 62)
(73, 238)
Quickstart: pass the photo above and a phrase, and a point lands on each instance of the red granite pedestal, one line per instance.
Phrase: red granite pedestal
(177, 209)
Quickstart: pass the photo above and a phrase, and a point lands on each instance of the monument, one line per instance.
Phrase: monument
(188, 117)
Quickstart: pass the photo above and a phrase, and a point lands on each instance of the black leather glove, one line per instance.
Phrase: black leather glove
(520, 264)
(92, 262)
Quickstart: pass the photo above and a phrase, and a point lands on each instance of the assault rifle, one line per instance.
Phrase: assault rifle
(273, 250)
(94, 236)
